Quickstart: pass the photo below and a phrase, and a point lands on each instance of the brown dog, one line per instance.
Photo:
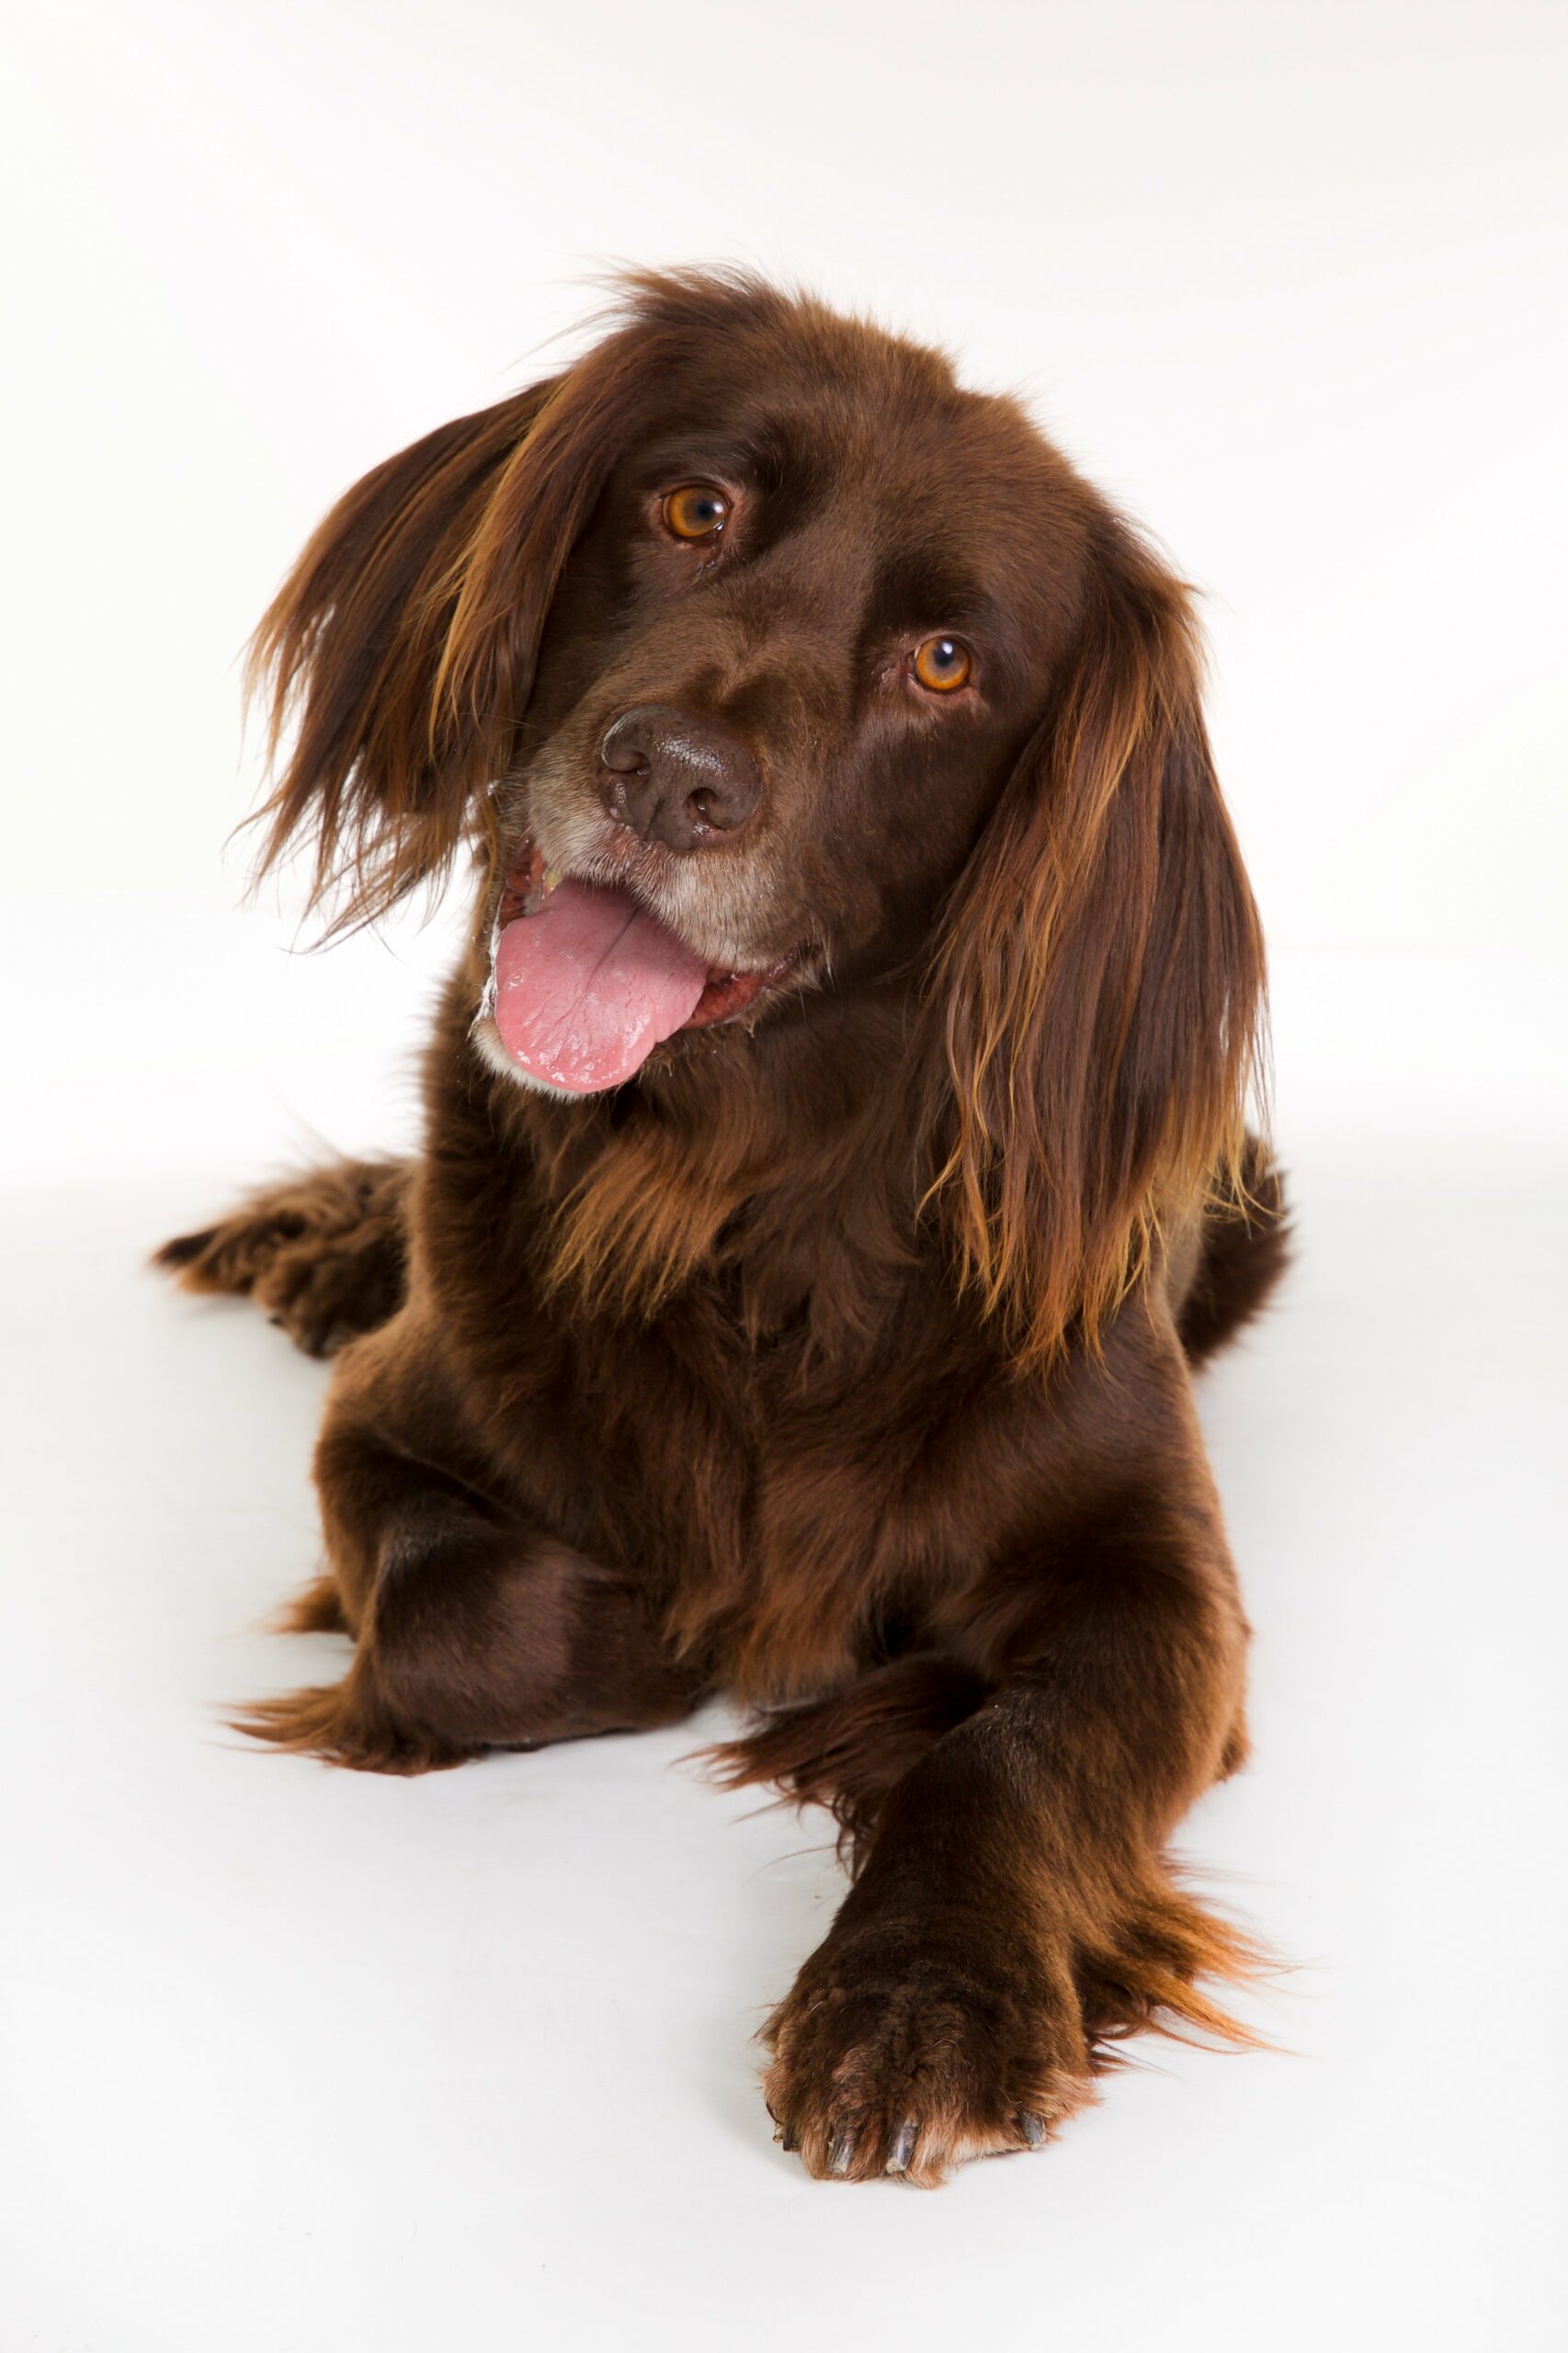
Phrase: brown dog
(834, 1162)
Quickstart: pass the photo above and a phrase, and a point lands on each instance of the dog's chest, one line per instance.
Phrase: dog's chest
(855, 1505)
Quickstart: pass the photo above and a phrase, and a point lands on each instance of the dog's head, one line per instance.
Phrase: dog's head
(770, 665)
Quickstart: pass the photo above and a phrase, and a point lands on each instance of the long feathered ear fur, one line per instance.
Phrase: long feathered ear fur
(1097, 989)
(348, 656)
(399, 653)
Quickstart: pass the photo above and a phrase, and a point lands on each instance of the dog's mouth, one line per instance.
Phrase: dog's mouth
(586, 982)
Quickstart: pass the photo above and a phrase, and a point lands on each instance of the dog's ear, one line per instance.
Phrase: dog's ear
(1097, 988)
(399, 655)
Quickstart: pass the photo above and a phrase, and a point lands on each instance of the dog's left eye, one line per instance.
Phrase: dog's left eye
(941, 664)
(695, 511)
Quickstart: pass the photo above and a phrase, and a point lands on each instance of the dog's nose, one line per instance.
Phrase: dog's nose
(677, 777)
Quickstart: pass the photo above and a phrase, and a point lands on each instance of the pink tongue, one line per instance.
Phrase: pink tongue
(587, 987)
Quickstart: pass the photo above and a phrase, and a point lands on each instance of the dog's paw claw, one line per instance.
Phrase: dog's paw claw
(1033, 2130)
(902, 2147)
(840, 2154)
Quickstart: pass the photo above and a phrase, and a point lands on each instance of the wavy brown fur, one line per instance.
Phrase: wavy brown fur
(838, 1359)
(324, 1253)
(848, 1751)
(1102, 1042)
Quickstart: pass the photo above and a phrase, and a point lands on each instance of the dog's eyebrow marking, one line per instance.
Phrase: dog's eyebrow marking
(769, 456)
(694, 455)
(915, 592)
(771, 451)
(912, 589)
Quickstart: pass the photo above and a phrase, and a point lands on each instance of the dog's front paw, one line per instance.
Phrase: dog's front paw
(898, 2053)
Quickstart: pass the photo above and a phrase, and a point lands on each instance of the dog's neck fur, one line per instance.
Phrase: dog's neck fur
(778, 1171)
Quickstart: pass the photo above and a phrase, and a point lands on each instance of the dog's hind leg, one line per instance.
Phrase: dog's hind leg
(317, 1610)
(324, 1252)
(474, 1628)
(1242, 1250)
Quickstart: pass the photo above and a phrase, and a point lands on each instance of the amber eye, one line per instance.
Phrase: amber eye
(695, 511)
(941, 664)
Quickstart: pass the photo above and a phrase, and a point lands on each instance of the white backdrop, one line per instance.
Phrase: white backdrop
(1288, 282)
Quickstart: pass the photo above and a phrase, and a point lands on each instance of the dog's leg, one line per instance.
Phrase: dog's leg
(850, 1750)
(1014, 1911)
(472, 1629)
(1242, 1246)
(323, 1253)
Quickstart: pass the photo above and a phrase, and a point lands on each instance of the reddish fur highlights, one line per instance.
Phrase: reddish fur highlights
(1054, 2020)
(1246, 1246)
(847, 1752)
(323, 1253)
(342, 1725)
(840, 1359)
(1150, 1976)
(318, 1609)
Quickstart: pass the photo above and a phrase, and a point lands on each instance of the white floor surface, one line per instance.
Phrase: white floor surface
(298, 2058)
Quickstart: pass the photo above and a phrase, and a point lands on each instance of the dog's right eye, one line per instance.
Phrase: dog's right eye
(695, 511)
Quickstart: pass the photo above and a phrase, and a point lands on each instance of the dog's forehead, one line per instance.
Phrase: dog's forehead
(871, 439)
(863, 410)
